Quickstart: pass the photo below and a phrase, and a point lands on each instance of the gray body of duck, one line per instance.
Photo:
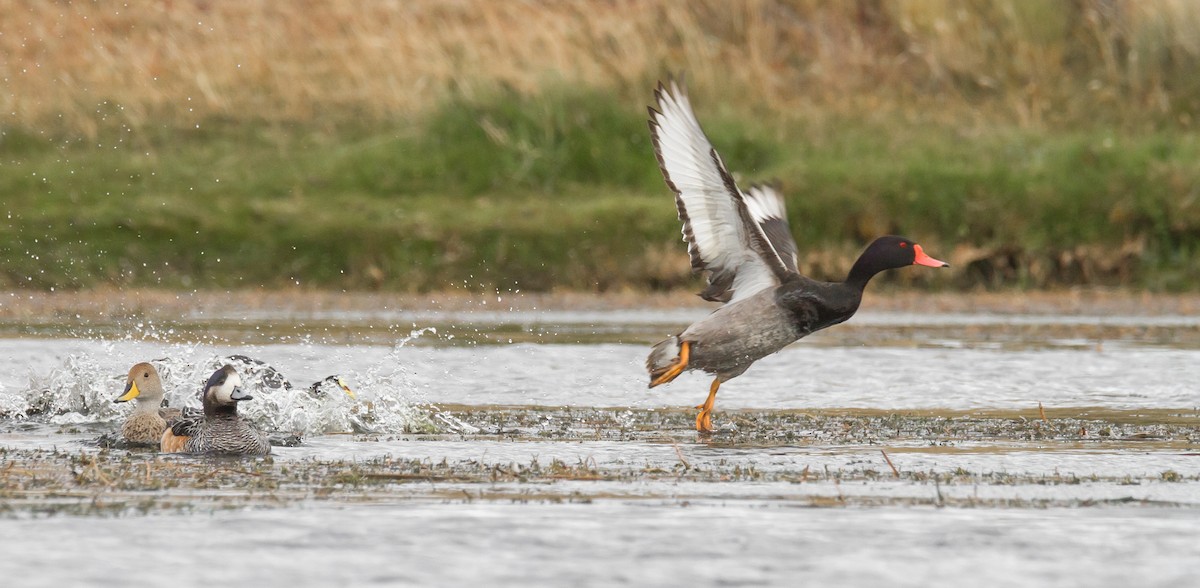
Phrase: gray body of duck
(218, 430)
(149, 419)
(728, 341)
(742, 240)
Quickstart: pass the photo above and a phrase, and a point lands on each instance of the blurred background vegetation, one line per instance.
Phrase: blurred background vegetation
(425, 145)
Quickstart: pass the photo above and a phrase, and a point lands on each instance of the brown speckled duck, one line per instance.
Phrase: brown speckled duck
(219, 430)
(743, 241)
(148, 421)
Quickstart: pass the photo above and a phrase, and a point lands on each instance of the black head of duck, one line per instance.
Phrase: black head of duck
(885, 253)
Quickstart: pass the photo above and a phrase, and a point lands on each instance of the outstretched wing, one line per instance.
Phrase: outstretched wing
(769, 211)
(722, 236)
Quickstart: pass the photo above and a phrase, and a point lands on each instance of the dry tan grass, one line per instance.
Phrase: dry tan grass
(77, 66)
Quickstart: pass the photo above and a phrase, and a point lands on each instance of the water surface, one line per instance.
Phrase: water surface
(523, 448)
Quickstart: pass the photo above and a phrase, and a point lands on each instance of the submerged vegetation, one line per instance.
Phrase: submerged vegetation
(426, 145)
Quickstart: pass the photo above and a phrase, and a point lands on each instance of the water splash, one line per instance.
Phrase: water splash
(382, 408)
(82, 390)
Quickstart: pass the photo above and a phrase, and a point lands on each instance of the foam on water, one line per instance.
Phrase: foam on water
(398, 384)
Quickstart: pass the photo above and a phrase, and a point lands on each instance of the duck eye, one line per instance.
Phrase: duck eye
(146, 374)
(904, 244)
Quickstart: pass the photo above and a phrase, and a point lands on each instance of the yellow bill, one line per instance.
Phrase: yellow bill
(131, 392)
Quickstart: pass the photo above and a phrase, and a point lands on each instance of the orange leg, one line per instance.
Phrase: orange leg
(677, 366)
(704, 419)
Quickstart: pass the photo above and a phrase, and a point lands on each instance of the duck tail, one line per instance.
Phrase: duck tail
(664, 358)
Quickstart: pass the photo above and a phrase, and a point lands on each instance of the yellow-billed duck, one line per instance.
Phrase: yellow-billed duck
(149, 419)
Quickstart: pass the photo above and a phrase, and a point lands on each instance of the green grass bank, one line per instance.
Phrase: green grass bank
(560, 190)
(427, 145)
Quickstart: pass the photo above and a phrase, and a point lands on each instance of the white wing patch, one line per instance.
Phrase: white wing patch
(767, 208)
(723, 236)
(764, 202)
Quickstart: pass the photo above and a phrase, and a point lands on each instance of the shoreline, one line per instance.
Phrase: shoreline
(83, 304)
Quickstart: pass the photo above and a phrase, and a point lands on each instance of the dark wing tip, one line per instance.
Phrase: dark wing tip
(675, 89)
(658, 94)
(677, 81)
(653, 124)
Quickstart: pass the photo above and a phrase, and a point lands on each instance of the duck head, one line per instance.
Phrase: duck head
(143, 384)
(887, 253)
(224, 390)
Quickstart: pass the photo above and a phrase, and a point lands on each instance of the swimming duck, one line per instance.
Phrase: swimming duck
(281, 409)
(148, 421)
(743, 241)
(219, 430)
